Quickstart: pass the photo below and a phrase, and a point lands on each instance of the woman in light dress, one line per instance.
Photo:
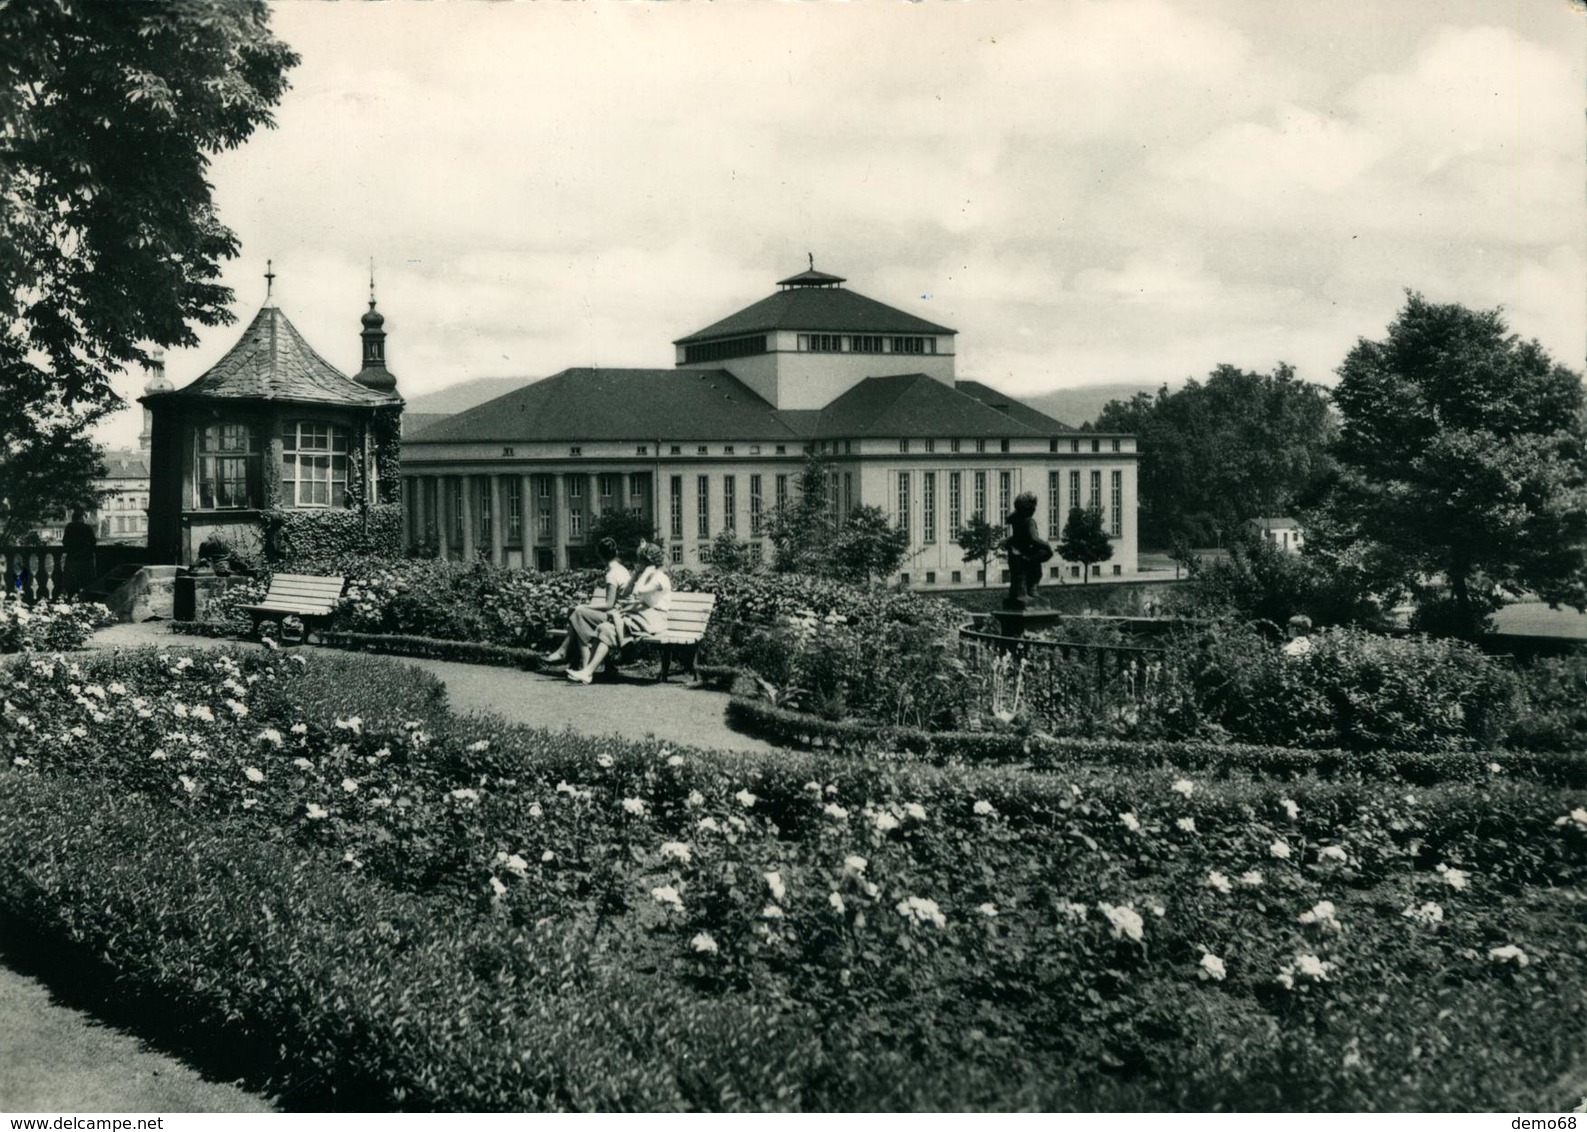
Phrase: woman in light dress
(586, 620)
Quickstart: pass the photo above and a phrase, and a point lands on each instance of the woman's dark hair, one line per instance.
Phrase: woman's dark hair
(607, 548)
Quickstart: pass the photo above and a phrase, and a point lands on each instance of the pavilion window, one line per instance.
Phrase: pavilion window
(228, 466)
(313, 464)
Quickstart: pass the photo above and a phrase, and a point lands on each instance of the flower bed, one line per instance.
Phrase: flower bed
(398, 908)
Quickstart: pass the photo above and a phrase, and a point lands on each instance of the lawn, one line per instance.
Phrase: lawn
(334, 885)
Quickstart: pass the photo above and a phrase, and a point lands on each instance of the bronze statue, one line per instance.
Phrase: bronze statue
(1026, 551)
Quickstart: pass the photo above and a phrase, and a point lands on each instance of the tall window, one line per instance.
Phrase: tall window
(1096, 490)
(514, 508)
(980, 494)
(675, 508)
(228, 466)
(729, 502)
(754, 505)
(606, 486)
(1005, 488)
(955, 503)
(1055, 511)
(486, 501)
(543, 521)
(637, 485)
(903, 502)
(457, 483)
(702, 501)
(848, 493)
(1116, 505)
(782, 491)
(313, 464)
(575, 522)
(1074, 490)
(928, 506)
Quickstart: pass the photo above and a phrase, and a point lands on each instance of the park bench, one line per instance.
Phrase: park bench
(309, 597)
(686, 624)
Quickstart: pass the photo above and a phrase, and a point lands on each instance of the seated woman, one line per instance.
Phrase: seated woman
(586, 619)
(644, 612)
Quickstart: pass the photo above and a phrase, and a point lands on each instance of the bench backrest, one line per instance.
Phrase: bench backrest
(307, 590)
(689, 616)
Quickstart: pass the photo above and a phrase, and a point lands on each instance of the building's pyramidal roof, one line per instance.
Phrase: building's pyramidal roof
(271, 361)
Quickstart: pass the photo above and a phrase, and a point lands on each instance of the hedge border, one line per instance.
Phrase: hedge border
(432, 648)
(801, 731)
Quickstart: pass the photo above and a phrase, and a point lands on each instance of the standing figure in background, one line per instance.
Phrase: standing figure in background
(79, 541)
(1026, 551)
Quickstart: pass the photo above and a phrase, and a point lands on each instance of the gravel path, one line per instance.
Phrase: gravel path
(55, 1059)
(672, 712)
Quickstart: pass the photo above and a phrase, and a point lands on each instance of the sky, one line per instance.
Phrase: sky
(1128, 191)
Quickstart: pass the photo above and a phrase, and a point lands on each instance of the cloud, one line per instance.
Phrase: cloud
(1086, 190)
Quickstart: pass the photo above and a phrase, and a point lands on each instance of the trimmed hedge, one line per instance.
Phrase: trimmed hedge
(801, 731)
(466, 652)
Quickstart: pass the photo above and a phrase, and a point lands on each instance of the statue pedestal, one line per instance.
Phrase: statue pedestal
(1014, 622)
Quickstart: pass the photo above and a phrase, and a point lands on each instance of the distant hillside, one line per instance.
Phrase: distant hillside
(464, 395)
(1080, 404)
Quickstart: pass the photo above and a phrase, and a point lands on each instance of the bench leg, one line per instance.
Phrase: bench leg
(666, 663)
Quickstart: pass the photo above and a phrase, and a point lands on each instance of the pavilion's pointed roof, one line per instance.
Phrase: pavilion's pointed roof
(272, 362)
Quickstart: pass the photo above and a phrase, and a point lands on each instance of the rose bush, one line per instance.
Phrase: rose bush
(48, 626)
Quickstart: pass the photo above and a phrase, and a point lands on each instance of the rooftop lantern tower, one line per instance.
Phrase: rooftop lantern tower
(374, 374)
(811, 278)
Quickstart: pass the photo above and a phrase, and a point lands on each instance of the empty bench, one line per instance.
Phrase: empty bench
(687, 621)
(309, 597)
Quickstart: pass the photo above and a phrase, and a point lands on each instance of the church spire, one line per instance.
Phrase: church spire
(374, 374)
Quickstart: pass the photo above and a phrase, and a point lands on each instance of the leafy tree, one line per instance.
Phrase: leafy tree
(1085, 539)
(981, 542)
(109, 242)
(624, 527)
(801, 528)
(729, 555)
(866, 546)
(1463, 462)
(1216, 454)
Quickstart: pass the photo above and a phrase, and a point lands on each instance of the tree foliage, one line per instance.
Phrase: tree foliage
(800, 528)
(981, 542)
(627, 528)
(1463, 462)
(867, 546)
(1085, 539)
(109, 241)
(1216, 454)
(728, 554)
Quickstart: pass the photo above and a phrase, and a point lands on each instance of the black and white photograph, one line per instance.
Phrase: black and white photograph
(792, 556)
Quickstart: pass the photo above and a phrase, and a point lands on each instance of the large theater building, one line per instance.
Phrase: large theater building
(718, 441)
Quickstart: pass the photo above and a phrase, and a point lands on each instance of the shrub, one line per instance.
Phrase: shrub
(1554, 705)
(48, 626)
(1352, 689)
